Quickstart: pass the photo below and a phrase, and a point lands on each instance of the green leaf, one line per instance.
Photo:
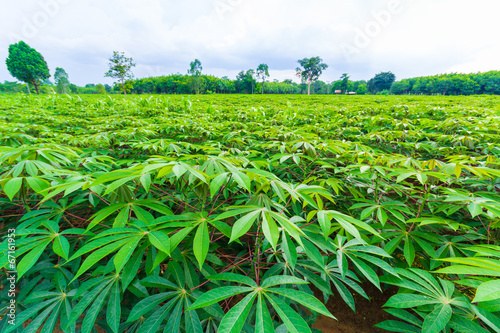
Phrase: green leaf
(438, 319)
(233, 278)
(270, 229)
(160, 240)
(313, 253)
(263, 321)
(12, 187)
(281, 279)
(123, 255)
(243, 224)
(290, 250)
(103, 213)
(30, 259)
(488, 318)
(402, 301)
(217, 182)
(61, 246)
(93, 258)
(159, 282)
(234, 320)
(192, 321)
(463, 325)
(147, 304)
(174, 321)
(132, 266)
(201, 243)
(325, 223)
(154, 321)
(304, 299)
(292, 320)
(216, 295)
(92, 312)
(487, 291)
(113, 311)
(409, 251)
(397, 326)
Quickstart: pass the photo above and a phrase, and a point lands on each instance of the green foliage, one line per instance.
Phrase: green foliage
(450, 84)
(26, 64)
(247, 214)
(61, 80)
(381, 82)
(120, 67)
(262, 73)
(310, 70)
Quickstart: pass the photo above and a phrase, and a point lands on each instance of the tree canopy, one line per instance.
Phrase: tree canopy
(381, 81)
(120, 67)
(262, 74)
(27, 65)
(310, 70)
(61, 79)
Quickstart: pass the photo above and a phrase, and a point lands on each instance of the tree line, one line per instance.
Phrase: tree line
(450, 84)
(29, 66)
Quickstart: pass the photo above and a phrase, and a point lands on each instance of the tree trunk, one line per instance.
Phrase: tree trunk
(123, 86)
(28, 86)
(309, 89)
(36, 88)
(262, 87)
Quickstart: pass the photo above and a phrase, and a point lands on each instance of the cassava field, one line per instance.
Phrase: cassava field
(229, 213)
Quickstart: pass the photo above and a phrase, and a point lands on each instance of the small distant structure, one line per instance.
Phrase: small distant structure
(338, 92)
(352, 93)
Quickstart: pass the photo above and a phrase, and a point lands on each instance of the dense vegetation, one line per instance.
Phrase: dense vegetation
(247, 213)
(450, 84)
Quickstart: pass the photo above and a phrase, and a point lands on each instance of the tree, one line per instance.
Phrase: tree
(61, 80)
(381, 81)
(310, 70)
(344, 85)
(262, 73)
(120, 67)
(27, 65)
(361, 89)
(195, 72)
(245, 82)
(100, 89)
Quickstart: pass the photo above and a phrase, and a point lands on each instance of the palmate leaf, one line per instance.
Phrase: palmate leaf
(92, 302)
(46, 319)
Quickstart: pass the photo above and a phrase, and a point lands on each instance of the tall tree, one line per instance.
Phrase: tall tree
(245, 82)
(344, 85)
(381, 81)
(61, 79)
(120, 67)
(310, 70)
(194, 70)
(27, 65)
(262, 74)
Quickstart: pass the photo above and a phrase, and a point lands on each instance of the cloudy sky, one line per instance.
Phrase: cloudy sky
(360, 37)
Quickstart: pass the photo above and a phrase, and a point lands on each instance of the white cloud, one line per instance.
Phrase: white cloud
(408, 37)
